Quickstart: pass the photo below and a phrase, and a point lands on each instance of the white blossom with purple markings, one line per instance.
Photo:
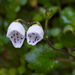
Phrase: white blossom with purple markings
(34, 34)
(16, 33)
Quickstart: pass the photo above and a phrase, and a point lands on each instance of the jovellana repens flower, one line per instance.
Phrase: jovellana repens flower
(35, 34)
(16, 33)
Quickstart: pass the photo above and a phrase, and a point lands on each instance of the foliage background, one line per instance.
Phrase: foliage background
(39, 59)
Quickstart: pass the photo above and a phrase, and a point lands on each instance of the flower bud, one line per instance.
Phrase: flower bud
(16, 33)
(34, 34)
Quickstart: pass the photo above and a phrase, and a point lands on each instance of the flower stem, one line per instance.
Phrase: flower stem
(46, 27)
(20, 20)
(23, 23)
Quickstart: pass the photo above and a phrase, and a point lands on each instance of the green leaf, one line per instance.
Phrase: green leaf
(45, 3)
(38, 17)
(3, 71)
(39, 59)
(68, 40)
(42, 11)
(68, 28)
(38, 74)
(50, 12)
(21, 69)
(67, 16)
(73, 73)
(73, 53)
(12, 71)
(58, 45)
(55, 32)
(22, 2)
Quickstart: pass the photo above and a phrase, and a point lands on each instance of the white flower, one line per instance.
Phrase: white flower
(16, 33)
(34, 34)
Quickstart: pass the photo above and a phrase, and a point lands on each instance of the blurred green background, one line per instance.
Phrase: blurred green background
(39, 59)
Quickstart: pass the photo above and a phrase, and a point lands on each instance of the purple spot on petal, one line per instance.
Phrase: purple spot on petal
(33, 41)
(17, 33)
(36, 38)
(29, 41)
(21, 38)
(29, 35)
(33, 33)
(17, 39)
(14, 40)
(11, 36)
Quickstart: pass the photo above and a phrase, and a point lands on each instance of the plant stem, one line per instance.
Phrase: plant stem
(20, 20)
(59, 7)
(46, 27)
(64, 60)
(60, 50)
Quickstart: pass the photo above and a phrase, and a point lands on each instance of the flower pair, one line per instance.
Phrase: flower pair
(16, 33)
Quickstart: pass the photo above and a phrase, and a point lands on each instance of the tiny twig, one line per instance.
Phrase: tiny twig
(64, 60)
(60, 50)
(46, 25)
(50, 44)
(20, 20)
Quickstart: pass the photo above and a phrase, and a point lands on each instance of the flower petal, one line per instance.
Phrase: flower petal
(16, 33)
(34, 34)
